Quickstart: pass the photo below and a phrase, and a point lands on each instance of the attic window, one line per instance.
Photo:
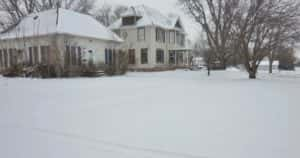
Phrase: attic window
(131, 20)
(36, 17)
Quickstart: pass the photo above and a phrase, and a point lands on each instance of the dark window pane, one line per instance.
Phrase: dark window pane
(172, 57)
(5, 55)
(1, 59)
(36, 55)
(159, 56)
(45, 52)
(67, 56)
(131, 55)
(79, 56)
(144, 56)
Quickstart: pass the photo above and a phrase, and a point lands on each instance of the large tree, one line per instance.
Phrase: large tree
(253, 29)
(216, 18)
(262, 26)
(108, 14)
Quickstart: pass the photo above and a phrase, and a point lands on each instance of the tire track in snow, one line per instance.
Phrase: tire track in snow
(104, 142)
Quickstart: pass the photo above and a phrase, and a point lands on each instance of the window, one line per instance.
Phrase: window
(108, 56)
(182, 42)
(141, 34)
(13, 57)
(144, 56)
(30, 56)
(180, 38)
(172, 57)
(167, 37)
(45, 50)
(131, 55)
(159, 56)
(172, 37)
(5, 55)
(179, 57)
(1, 59)
(36, 55)
(10, 53)
(20, 55)
(160, 35)
(79, 56)
(67, 56)
(129, 20)
(73, 55)
(124, 35)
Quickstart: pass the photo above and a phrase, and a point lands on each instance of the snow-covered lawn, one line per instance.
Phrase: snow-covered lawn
(172, 114)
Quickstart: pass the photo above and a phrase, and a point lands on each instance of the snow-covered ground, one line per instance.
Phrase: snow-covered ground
(176, 114)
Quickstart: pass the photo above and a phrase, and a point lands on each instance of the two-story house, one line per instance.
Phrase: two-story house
(152, 39)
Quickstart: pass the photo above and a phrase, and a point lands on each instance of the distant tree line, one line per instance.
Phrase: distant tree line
(245, 30)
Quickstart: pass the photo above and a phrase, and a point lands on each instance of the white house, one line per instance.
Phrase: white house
(152, 39)
(57, 35)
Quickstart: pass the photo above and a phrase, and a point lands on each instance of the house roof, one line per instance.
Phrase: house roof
(149, 17)
(69, 22)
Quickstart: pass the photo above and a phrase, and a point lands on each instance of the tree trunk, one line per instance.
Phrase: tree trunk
(223, 65)
(271, 66)
(252, 73)
(208, 70)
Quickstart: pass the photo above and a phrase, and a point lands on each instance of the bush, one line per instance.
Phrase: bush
(37, 71)
(45, 71)
(119, 65)
(14, 71)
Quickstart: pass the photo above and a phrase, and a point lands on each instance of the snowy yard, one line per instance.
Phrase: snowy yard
(176, 114)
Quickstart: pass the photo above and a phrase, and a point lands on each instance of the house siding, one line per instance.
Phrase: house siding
(150, 42)
(57, 42)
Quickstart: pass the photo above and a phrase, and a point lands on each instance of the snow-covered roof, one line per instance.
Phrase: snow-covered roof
(69, 22)
(149, 17)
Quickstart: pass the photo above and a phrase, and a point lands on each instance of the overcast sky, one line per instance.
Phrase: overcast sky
(165, 7)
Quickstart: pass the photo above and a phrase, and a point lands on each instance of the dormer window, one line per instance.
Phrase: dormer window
(178, 25)
(130, 20)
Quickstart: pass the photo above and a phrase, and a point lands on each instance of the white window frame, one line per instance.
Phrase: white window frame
(141, 34)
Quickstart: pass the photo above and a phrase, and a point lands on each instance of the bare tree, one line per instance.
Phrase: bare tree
(15, 10)
(216, 18)
(107, 14)
(254, 29)
(261, 26)
(208, 57)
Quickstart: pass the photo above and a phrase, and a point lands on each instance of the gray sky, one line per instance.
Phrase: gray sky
(165, 7)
